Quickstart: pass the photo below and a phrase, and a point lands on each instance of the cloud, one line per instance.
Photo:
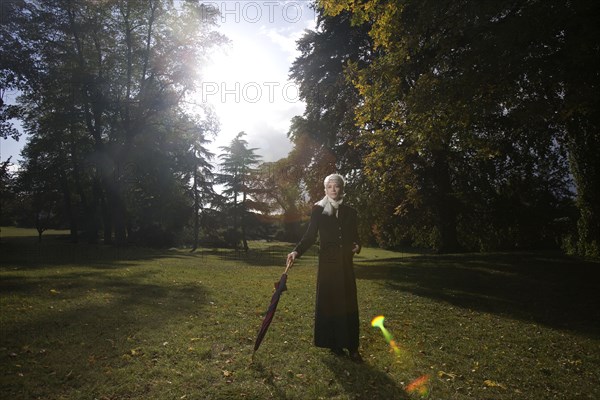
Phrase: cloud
(270, 143)
(266, 128)
(247, 82)
(285, 37)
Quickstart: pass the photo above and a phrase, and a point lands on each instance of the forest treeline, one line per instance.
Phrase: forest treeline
(460, 125)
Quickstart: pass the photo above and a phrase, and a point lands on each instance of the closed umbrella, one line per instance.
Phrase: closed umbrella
(280, 287)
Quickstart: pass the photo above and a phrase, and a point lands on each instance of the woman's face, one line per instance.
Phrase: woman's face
(333, 190)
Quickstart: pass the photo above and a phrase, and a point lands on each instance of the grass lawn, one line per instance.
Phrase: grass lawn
(99, 322)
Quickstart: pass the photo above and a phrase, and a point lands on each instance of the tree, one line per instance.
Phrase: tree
(16, 67)
(203, 176)
(325, 136)
(577, 67)
(238, 163)
(460, 103)
(280, 188)
(7, 194)
(117, 73)
(39, 188)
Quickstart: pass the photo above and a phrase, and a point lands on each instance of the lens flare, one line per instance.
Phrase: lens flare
(377, 322)
(419, 386)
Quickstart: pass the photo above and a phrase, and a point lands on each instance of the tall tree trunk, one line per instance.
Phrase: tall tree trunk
(582, 103)
(196, 209)
(105, 203)
(78, 188)
(95, 211)
(119, 217)
(235, 219)
(445, 204)
(69, 206)
(585, 166)
(243, 222)
(118, 208)
(93, 109)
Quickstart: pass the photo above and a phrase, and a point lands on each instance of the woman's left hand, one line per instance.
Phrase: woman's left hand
(356, 248)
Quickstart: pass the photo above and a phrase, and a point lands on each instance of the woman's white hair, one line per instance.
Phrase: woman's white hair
(336, 178)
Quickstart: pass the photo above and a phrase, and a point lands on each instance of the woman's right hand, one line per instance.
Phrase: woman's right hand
(291, 258)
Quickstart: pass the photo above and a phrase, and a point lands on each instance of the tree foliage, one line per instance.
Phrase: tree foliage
(103, 88)
(465, 124)
(459, 124)
(325, 135)
(238, 174)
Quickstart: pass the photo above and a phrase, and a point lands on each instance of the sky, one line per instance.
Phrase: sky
(246, 81)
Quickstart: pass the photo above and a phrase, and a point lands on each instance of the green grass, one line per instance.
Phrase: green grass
(99, 322)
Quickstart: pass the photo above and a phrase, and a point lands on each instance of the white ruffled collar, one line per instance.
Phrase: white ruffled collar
(329, 205)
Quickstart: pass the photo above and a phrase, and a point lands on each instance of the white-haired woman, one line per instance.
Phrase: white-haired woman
(336, 314)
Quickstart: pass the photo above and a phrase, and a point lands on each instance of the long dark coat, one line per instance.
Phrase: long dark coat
(336, 314)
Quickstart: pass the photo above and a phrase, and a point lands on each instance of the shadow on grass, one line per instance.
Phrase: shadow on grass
(361, 381)
(268, 378)
(100, 301)
(24, 252)
(73, 328)
(544, 288)
(266, 255)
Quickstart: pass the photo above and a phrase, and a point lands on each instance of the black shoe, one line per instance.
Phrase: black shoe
(356, 357)
(338, 351)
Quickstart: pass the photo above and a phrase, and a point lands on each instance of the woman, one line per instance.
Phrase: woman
(336, 315)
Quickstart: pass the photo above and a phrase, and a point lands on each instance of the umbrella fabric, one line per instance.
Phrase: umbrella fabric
(280, 287)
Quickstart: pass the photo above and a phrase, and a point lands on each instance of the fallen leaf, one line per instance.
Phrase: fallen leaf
(491, 383)
(443, 374)
(136, 352)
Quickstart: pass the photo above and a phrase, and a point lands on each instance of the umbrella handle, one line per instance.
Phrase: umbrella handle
(288, 266)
